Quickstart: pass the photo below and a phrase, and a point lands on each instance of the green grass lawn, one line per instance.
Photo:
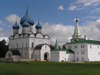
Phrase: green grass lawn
(49, 68)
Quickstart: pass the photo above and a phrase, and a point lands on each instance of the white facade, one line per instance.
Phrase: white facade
(26, 43)
(85, 51)
(62, 56)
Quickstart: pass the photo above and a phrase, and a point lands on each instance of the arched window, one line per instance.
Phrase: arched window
(26, 44)
(77, 59)
(32, 45)
(16, 45)
(22, 45)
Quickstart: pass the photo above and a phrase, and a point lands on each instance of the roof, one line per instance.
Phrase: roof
(30, 34)
(38, 26)
(67, 50)
(28, 18)
(56, 45)
(15, 52)
(16, 26)
(85, 41)
(25, 24)
(38, 47)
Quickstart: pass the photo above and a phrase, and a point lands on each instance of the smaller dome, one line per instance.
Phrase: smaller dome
(16, 26)
(76, 20)
(38, 26)
(25, 24)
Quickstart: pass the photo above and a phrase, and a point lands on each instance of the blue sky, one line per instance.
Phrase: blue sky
(51, 12)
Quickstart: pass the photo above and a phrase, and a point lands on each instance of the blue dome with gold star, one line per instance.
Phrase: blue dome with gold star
(38, 26)
(16, 26)
(28, 18)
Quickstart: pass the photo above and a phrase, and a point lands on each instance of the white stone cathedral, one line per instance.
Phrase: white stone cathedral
(27, 44)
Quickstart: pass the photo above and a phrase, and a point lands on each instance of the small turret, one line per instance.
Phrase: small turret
(56, 45)
(77, 35)
(15, 28)
(38, 27)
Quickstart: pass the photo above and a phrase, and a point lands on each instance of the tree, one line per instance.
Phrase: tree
(3, 48)
(63, 47)
(52, 47)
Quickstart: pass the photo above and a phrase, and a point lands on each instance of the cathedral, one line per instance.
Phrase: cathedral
(36, 45)
(27, 44)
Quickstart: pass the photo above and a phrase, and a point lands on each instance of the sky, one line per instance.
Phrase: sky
(57, 17)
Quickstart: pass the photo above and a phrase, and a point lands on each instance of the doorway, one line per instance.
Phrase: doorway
(46, 56)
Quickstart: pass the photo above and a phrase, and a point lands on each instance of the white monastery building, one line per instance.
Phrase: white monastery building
(31, 45)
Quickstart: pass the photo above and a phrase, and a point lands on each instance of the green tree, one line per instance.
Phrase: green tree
(63, 47)
(52, 47)
(3, 48)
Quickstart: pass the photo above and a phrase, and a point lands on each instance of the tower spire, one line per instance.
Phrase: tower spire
(38, 20)
(56, 45)
(77, 35)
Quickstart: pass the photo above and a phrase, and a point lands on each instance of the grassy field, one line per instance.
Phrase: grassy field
(49, 68)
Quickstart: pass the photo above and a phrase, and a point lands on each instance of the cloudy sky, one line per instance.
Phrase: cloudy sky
(57, 17)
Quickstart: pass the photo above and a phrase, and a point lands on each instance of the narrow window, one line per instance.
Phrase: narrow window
(90, 46)
(45, 47)
(32, 45)
(77, 59)
(26, 44)
(22, 45)
(17, 45)
(82, 59)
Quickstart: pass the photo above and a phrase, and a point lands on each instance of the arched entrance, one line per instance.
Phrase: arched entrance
(9, 56)
(46, 56)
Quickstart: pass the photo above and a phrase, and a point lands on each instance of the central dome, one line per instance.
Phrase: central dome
(28, 18)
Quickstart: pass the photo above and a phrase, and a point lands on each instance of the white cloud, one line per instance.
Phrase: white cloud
(97, 10)
(61, 7)
(64, 33)
(72, 7)
(12, 18)
(88, 2)
(1, 29)
(82, 4)
(92, 17)
(2, 23)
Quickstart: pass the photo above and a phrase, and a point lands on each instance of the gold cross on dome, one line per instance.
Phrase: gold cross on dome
(16, 19)
(38, 19)
(27, 5)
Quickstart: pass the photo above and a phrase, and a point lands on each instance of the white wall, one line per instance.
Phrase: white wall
(70, 57)
(55, 56)
(80, 51)
(93, 52)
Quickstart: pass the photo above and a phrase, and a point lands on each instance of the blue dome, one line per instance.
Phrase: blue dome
(16, 26)
(38, 26)
(25, 24)
(28, 18)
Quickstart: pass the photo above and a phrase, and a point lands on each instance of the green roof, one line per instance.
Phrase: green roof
(67, 50)
(85, 41)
